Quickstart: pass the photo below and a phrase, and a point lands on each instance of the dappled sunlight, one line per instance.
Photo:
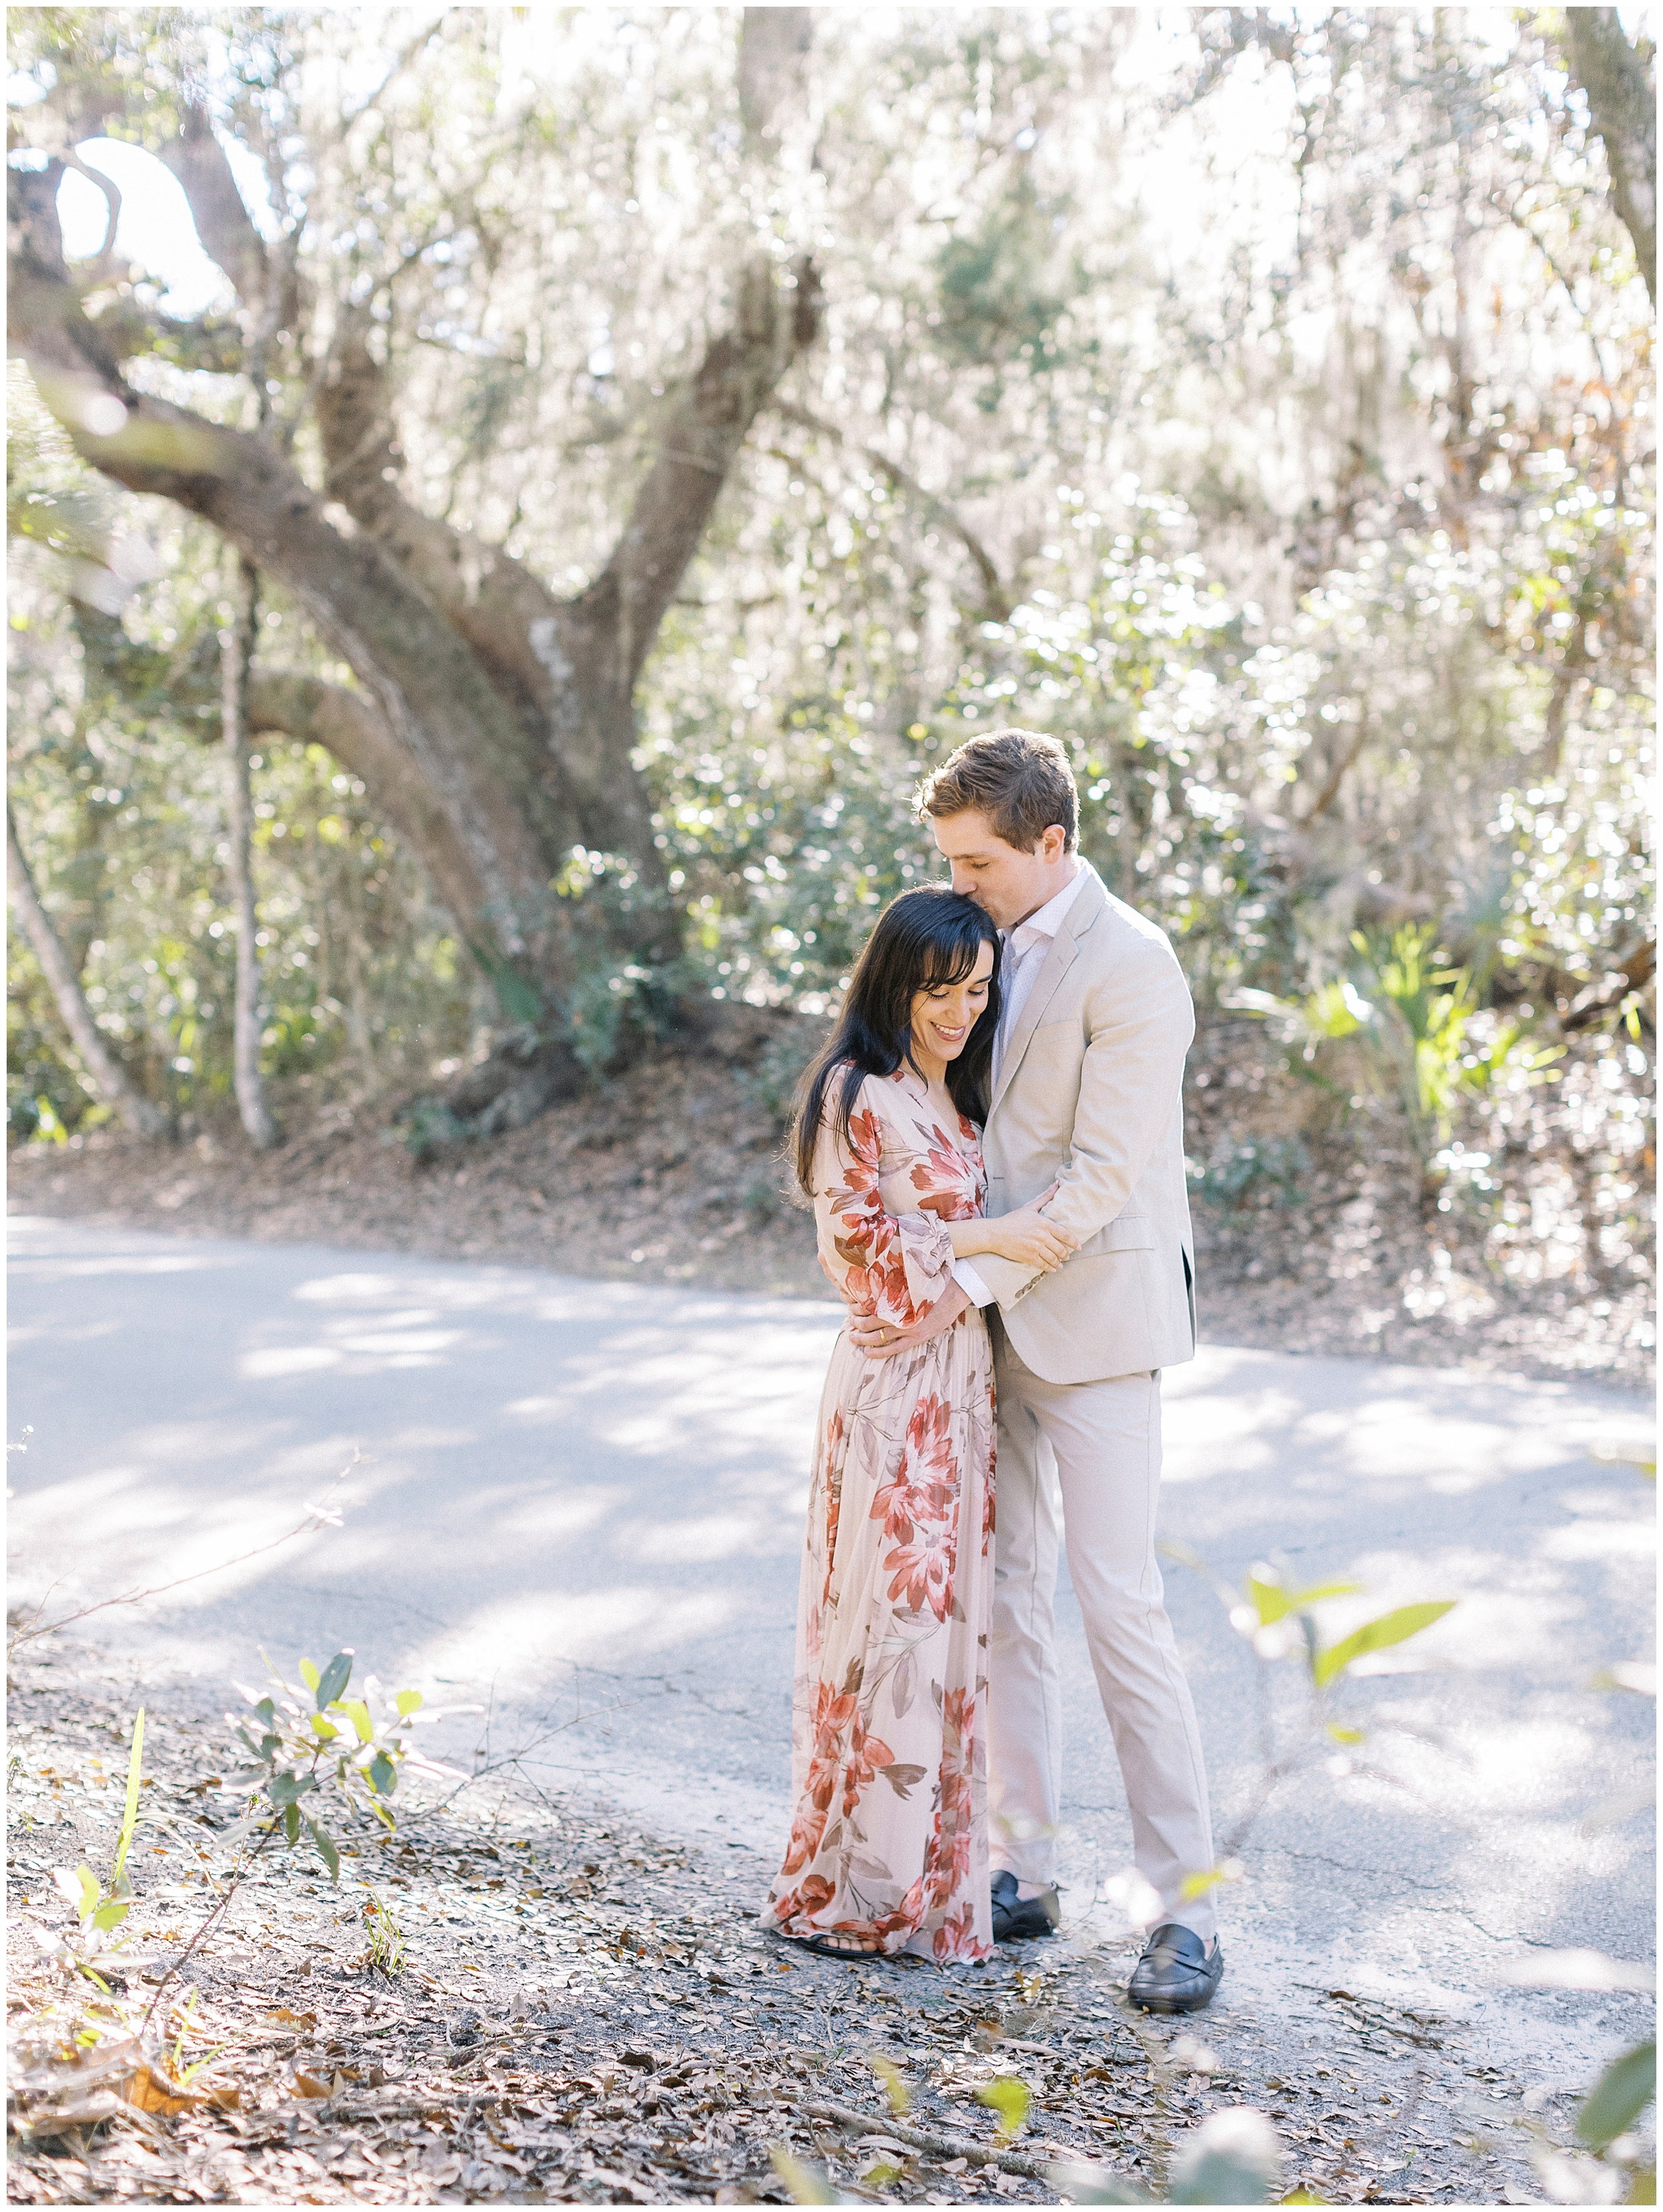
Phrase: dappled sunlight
(612, 1478)
(1601, 1539)
(716, 1537)
(32, 1240)
(525, 1643)
(283, 1360)
(556, 1513)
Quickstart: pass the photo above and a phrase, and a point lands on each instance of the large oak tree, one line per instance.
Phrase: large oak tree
(492, 717)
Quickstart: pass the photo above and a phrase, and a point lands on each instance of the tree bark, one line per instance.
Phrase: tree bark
(494, 723)
(111, 1079)
(1622, 97)
(491, 722)
(237, 651)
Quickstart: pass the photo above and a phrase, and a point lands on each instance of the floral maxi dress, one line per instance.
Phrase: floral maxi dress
(889, 1774)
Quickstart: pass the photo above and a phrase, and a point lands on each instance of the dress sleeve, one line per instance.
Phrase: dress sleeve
(893, 1266)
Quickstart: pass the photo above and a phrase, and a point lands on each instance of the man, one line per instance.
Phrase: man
(1087, 1093)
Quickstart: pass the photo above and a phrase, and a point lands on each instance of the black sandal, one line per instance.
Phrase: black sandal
(824, 1946)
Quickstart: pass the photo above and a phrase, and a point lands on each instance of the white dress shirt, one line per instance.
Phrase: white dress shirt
(1024, 953)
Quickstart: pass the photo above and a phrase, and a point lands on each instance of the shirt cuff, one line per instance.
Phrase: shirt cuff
(972, 1284)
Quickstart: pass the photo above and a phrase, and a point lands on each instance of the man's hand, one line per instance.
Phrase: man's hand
(881, 1340)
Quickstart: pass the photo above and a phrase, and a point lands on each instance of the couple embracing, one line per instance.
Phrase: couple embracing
(993, 1144)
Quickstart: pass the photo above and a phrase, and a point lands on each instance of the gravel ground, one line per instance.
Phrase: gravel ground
(586, 2014)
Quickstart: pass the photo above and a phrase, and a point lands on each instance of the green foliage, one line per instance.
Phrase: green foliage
(1394, 659)
(1272, 1602)
(120, 797)
(1257, 1168)
(1010, 2098)
(428, 1128)
(1619, 2097)
(309, 1743)
(179, 2073)
(1408, 1027)
(101, 1907)
(807, 2183)
(1266, 1610)
(1232, 2158)
(1328, 1664)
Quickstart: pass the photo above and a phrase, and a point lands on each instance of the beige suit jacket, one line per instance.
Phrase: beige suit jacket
(1090, 1095)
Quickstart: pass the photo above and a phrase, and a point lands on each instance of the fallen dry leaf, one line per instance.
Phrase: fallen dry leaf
(280, 2016)
(307, 2085)
(153, 2092)
(79, 2112)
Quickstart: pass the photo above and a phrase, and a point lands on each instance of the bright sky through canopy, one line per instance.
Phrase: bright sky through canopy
(155, 230)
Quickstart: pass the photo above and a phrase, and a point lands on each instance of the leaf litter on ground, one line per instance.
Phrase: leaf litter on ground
(536, 2002)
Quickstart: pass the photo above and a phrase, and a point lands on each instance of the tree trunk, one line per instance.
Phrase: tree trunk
(492, 721)
(237, 650)
(110, 1078)
(499, 735)
(1622, 99)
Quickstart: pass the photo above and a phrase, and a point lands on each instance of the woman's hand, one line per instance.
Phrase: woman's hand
(1028, 1238)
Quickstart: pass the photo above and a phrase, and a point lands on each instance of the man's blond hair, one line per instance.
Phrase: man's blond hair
(1020, 780)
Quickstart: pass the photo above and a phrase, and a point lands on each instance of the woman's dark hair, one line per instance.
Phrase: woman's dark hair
(922, 940)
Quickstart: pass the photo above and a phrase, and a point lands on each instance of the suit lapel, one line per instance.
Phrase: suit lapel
(1065, 950)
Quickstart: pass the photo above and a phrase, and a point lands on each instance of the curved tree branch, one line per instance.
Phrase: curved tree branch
(459, 735)
(223, 224)
(1622, 96)
(777, 317)
(113, 1083)
(488, 596)
(995, 597)
(347, 724)
(102, 260)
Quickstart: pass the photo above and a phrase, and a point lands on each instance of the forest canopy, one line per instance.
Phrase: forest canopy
(639, 443)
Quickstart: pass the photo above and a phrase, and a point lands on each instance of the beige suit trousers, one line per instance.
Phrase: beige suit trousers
(1093, 1449)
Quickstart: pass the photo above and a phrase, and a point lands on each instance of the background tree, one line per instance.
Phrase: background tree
(493, 717)
(1262, 403)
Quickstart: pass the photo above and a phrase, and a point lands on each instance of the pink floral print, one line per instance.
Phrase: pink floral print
(888, 1842)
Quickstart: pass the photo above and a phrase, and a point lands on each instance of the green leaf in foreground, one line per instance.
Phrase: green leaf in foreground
(1375, 1635)
(81, 1888)
(1273, 1603)
(1095, 2184)
(1232, 2158)
(1619, 2096)
(1010, 2098)
(334, 1679)
(326, 1852)
(807, 2183)
(129, 1813)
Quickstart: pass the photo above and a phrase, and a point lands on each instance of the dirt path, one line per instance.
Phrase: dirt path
(674, 1174)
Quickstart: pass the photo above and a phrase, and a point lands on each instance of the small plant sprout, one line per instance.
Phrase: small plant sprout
(1278, 1621)
(386, 1954)
(101, 1908)
(185, 2021)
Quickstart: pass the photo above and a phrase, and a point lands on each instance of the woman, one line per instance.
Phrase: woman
(888, 1849)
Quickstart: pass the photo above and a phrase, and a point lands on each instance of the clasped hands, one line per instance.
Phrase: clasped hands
(1023, 1235)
